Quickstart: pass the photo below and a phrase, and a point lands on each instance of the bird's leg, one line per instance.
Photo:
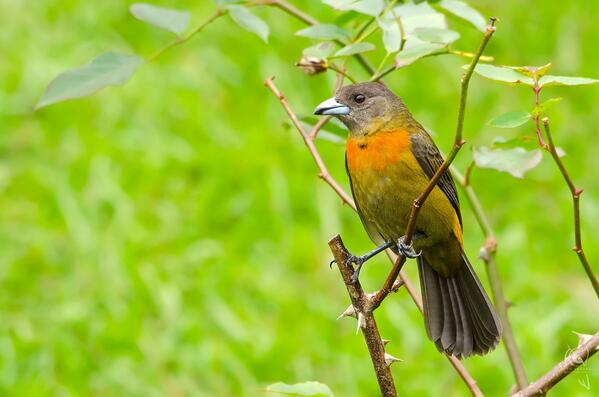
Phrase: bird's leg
(408, 250)
(360, 260)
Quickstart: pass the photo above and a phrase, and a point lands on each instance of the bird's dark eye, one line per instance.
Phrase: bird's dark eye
(359, 98)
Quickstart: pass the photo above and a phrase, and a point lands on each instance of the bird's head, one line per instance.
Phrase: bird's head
(364, 108)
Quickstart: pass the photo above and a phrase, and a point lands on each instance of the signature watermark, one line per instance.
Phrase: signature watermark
(580, 368)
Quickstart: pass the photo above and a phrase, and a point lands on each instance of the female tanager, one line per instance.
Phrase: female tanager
(390, 159)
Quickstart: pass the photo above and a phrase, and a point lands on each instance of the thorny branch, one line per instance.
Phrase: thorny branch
(588, 346)
(366, 322)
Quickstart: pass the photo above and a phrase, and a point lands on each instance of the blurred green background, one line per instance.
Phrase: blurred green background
(168, 238)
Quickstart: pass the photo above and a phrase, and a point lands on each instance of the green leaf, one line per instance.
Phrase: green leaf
(325, 32)
(542, 108)
(421, 15)
(226, 2)
(464, 11)
(321, 50)
(510, 120)
(110, 68)
(305, 389)
(436, 35)
(368, 7)
(549, 80)
(524, 141)
(355, 48)
(165, 18)
(516, 161)
(250, 22)
(412, 54)
(346, 18)
(391, 34)
(532, 71)
(503, 74)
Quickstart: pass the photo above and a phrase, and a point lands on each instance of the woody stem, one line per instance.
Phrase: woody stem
(575, 192)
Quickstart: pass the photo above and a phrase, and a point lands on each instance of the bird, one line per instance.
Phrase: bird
(390, 159)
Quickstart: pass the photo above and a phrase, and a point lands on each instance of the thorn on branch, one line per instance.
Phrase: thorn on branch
(389, 359)
(584, 338)
(349, 312)
(361, 322)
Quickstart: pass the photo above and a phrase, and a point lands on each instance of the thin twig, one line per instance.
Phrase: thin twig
(457, 144)
(575, 192)
(336, 69)
(574, 360)
(308, 20)
(324, 173)
(537, 91)
(444, 51)
(366, 321)
(459, 367)
(488, 253)
(180, 40)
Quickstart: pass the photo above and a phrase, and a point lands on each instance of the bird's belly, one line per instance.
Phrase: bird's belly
(385, 197)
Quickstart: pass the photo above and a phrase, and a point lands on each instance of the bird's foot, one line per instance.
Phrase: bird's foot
(407, 250)
(358, 261)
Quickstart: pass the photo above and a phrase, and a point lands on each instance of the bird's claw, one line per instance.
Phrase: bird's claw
(359, 261)
(407, 250)
(331, 263)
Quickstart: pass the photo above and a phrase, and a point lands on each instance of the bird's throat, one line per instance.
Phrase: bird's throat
(376, 151)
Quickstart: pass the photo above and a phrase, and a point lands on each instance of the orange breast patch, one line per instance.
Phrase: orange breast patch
(376, 151)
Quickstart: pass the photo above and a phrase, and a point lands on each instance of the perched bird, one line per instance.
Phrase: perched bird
(390, 159)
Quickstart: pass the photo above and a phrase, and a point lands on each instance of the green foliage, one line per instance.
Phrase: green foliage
(355, 48)
(464, 11)
(368, 7)
(305, 389)
(250, 22)
(502, 74)
(514, 161)
(391, 34)
(164, 18)
(325, 32)
(436, 35)
(510, 120)
(549, 80)
(416, 52)
(321, 50)
(110, 68)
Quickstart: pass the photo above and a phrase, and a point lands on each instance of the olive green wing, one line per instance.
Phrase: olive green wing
(370, 227)
(429, 158)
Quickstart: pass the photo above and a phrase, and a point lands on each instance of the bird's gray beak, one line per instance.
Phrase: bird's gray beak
(332, 108)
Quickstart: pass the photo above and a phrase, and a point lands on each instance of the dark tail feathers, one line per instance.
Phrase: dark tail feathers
(458, 314)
